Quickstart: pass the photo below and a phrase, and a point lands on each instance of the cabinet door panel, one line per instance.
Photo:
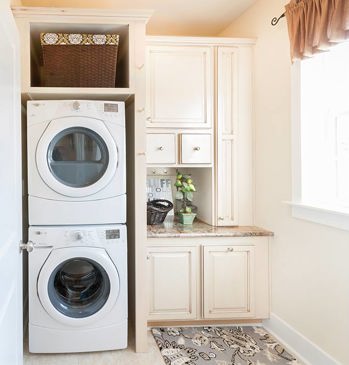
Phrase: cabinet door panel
(161, 148)
(227, 207)
(179, 86)
(172, 282)
(196, 148)
(228, 281)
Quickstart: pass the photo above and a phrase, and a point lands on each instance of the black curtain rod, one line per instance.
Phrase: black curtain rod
(275, 20)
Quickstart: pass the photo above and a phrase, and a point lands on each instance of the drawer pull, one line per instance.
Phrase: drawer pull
(161, 148)
(197, 148)
(140, 110)
(148, 118)
(230, 249)
(221, 218)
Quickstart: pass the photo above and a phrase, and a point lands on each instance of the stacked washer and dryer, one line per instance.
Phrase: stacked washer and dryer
(77, 219)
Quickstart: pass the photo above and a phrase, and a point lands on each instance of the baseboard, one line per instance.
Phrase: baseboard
(205, 322)
(304, 349)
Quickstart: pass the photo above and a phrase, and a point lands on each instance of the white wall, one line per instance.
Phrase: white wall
(310, 262)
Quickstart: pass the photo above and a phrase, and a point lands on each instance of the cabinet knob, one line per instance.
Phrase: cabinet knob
(140, 66)
(197, 148)
(140, 110)
(221, 218)
(149, 118)
(161, 148)
(230, 249)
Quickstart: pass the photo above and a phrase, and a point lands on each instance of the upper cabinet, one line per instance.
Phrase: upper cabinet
(179, 86)
(200, 91)
(129, 28)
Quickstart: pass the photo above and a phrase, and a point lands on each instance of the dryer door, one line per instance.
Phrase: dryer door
(76, 156)
(78, 285)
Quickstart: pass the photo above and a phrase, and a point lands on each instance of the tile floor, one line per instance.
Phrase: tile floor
(120, 357)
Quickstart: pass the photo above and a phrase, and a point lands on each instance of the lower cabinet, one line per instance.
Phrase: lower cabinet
(214, 278)
(172, 280)
(228, 282)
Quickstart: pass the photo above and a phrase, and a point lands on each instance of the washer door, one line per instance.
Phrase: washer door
(76, 156)
(78, 285)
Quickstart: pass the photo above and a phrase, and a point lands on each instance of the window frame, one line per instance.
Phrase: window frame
(317, 213)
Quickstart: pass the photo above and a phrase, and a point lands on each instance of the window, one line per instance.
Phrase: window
(321, 138)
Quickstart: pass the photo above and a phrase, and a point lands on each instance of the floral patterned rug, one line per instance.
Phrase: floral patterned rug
(220, 346)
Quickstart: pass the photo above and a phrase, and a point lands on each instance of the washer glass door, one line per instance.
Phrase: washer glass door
(78, 287)
(77, 157)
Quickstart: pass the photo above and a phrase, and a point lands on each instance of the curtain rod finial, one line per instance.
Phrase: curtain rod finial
(275, 20)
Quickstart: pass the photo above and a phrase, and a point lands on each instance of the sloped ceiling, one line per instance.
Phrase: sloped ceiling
(171, 17)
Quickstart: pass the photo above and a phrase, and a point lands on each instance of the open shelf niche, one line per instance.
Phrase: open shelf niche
(36, 59)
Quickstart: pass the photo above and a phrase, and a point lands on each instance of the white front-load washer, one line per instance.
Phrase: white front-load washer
(77, 288)
(76, 162)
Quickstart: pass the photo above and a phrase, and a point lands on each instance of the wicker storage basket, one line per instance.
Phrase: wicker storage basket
(157, 210)
(79, 60)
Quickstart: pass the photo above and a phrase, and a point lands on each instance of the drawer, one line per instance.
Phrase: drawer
(161, 148)
(196, 148)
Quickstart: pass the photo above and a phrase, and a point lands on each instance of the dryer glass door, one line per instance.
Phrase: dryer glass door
(77, 157)
(79, 287)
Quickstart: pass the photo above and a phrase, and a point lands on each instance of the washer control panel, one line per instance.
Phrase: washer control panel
(77, 236)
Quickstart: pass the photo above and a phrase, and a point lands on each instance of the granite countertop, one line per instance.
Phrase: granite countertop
(172, 228)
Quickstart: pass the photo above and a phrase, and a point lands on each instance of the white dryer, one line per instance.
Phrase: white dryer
(77, 288)
(76, 162)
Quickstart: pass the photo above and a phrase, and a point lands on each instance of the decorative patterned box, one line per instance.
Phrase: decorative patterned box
(79, 60)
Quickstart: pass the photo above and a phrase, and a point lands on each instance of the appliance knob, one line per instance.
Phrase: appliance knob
(76, 105)
(78, 236)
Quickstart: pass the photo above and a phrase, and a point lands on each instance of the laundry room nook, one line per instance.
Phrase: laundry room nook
(156, 172)
(85, 153)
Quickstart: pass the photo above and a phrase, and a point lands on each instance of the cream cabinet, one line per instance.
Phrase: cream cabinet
(179, 149)
(161, 148)
(228, 282)
(208, 278)
(179, 86)
(172, 282)
(198, 83)
(196, 148)
(233, 136)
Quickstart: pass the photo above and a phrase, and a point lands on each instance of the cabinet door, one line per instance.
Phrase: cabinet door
(161, 148)
(227, 118)
(172, 282)
(179, 86)
(228, 281)
(234, 137)
(196, 148)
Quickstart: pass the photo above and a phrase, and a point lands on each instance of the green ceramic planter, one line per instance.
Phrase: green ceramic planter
(187, 218)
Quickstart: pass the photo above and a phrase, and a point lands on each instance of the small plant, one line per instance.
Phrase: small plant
(185, 189)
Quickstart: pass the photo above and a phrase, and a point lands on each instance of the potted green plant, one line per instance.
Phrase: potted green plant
(185, 189)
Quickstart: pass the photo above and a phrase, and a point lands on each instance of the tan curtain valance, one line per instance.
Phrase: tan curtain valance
(314, 25)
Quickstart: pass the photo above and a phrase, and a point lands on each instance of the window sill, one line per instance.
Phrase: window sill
(327, 216)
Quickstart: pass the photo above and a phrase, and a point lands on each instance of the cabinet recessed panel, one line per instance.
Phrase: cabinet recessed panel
(179, 87)
(161, 148)
(172, 283)
(228, 281)
(226, 182)
(196, 148)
